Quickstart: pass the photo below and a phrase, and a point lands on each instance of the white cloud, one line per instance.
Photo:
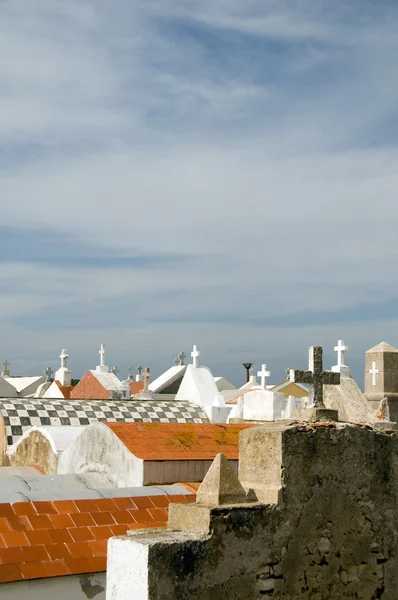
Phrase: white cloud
(276, 163)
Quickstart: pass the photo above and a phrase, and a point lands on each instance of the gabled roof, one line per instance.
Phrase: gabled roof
(382, 347)
(167, 378)
(66, 537)
(109, 381)
(21, 383)
(64, 389)
(136, 386)
(185, 441)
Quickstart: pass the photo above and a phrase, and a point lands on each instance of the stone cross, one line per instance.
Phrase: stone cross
(373, 371)
(115, 370)
(263, 374)
(64, 357)
(340, 349)
(147, 374)
(49, 372)
(5, 372)
(316, 377)
(195, 355)
(139, 372)
(102, 355)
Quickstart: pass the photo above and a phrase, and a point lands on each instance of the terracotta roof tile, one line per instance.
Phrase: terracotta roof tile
(64, 389)
(179, 441)
(53, 539)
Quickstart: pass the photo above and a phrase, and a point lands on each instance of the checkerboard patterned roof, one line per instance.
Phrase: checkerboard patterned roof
(167, 441)
(21, 414)
(66, 537)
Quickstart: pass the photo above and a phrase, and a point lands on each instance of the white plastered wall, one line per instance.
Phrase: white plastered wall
(99, 450)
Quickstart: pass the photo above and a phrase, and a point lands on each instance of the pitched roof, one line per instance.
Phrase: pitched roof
(180, 441)
(66, 537)
(64, 389)
(21, 383)
(136, 386)
(382, 347)
(167, 378)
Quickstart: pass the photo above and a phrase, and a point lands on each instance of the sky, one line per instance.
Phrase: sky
(209, 172)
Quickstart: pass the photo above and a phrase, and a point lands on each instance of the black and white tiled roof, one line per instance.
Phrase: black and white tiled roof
(20, 415)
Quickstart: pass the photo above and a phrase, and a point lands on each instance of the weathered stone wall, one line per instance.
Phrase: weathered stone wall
(332, 532)
(35, 449)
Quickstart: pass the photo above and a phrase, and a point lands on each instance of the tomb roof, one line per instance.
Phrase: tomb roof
(40, 411)
(136, 386)
(51, 539)
(382, 347)
(180, 441)
(21, 383)
(64, 389)
(35, 487)
(167, 378)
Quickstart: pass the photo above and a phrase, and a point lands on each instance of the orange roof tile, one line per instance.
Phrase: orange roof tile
(64, 389)
(136, 386)
(51, 539)
(179, 441)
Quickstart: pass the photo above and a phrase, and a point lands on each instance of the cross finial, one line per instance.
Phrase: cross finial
(316, 377)
(340, 349)
(49, 372)
(64, 357)
(373, 371)
(195, 355)
(102, 355)
(263, 374)
(147, 374)
(139, 371)
(6, 372)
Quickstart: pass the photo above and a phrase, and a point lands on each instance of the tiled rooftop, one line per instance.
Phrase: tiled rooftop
(182, 441)
(64, 389)
(66, 537)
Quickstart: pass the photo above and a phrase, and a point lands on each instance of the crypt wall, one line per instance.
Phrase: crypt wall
(330, 531)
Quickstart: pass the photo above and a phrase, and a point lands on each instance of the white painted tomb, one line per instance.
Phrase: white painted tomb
(198, 386)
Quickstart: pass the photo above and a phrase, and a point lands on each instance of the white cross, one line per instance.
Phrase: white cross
(340, 349)
(195, 355)
(373, 371)
(64, 356)
(147, 374)
(102, 355)
(263, 374)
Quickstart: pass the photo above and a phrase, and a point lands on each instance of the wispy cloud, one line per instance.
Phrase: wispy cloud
(188, 171)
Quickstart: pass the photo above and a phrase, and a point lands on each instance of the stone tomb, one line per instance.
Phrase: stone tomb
(381, 376)
(134, 454)
(323, 527)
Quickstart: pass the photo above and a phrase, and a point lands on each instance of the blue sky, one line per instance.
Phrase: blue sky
(219, 173)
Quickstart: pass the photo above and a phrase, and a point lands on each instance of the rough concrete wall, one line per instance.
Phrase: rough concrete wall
(333, 534)
(174, 471)
(75, 587)
(35, 450)
(89, 387)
